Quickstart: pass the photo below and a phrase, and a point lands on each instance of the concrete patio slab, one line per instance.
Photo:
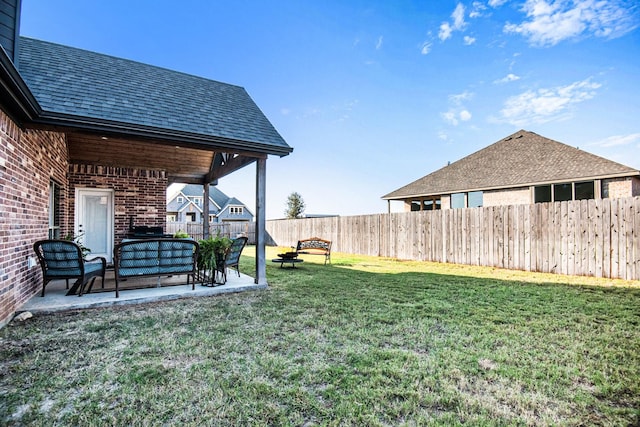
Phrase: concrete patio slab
(55, 298)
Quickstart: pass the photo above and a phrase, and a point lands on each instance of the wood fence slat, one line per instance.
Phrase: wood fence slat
(636, 238)
(597, 238)
(615, 240)
(629, 243)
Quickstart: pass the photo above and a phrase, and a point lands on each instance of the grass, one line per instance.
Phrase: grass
(365, 341)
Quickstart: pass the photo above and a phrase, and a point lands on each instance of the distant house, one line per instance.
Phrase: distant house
(522, 168)
(187, 206)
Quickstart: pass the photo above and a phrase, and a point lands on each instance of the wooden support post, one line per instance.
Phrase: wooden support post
(205, 211)
(261, 185)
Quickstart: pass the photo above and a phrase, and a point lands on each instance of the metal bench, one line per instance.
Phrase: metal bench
(315, 246)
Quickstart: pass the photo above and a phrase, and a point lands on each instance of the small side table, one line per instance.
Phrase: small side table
(283, 261)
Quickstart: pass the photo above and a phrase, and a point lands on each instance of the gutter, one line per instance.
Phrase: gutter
(16, 98)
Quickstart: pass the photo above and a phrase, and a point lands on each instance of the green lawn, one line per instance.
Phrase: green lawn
(365, 341)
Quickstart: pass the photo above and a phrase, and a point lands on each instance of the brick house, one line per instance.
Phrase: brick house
(187, 206)
(90, 142)
(522, 168)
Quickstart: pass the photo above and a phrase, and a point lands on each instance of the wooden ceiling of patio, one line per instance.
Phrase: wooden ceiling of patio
(182, 163)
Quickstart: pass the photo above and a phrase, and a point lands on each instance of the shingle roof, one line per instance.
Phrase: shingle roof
(76, 82)
(521, 159)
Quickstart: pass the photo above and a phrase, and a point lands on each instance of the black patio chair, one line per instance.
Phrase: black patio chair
(233, 255)
(62, 259)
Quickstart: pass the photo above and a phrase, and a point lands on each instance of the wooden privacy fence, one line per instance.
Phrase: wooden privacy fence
(586, 237)
(227, 229)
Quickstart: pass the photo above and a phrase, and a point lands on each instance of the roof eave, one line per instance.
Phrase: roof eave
(195, 140)
(629, 174)
(16, 98)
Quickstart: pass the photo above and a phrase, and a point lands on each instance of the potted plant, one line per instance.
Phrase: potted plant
(212, 255)
(181, 235)
(78, 241)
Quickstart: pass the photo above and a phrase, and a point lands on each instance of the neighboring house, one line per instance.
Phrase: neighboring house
(522, 168)
(90, 142)
(187, 206)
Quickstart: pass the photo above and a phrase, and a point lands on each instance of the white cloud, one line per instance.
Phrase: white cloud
(618, 140)
(450, 117)
(496, 3)
(457, 111)
(454, 117)
(546, 105)
(379, 43)
(445, 31)
(477, 10)
(457, 99)
(443, 136)
(469, 40)
(552, 21)
(507, 79)
(458, 17)
(426, 48)
(459, 23)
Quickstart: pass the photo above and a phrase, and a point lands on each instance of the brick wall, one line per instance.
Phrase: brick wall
(512, 196)
(616, 188)
(29, 160)
(139, 194)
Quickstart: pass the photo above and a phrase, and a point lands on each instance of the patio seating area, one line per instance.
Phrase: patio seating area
(132, 291)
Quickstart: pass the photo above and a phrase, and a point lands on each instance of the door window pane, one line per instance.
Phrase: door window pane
(96, 210)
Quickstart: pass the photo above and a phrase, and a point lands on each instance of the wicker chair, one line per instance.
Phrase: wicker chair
(62, 259)
(233, 255)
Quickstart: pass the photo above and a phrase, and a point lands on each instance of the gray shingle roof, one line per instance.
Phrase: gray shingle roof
(521, 159)
(76, 82)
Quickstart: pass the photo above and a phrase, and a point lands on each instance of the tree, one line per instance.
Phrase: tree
(295, 206)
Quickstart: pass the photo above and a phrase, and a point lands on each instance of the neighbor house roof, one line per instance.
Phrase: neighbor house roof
(521, 159)
(79, 87)
(218, 197)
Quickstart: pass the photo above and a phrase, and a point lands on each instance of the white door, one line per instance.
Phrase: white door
(94, 221)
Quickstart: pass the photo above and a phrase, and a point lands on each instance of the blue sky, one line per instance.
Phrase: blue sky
(373, 95)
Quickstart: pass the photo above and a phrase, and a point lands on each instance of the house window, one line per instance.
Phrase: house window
(54, 210)
(179, 199)
(171, 217)
(585, 190)
(236, 210)
(562, 192)
(431, 204)
(565, 192)
(542, 194)
(191, 217)
(474, 199)
(457, 200)
(428, 203)
(212, 218)
(197, 201)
